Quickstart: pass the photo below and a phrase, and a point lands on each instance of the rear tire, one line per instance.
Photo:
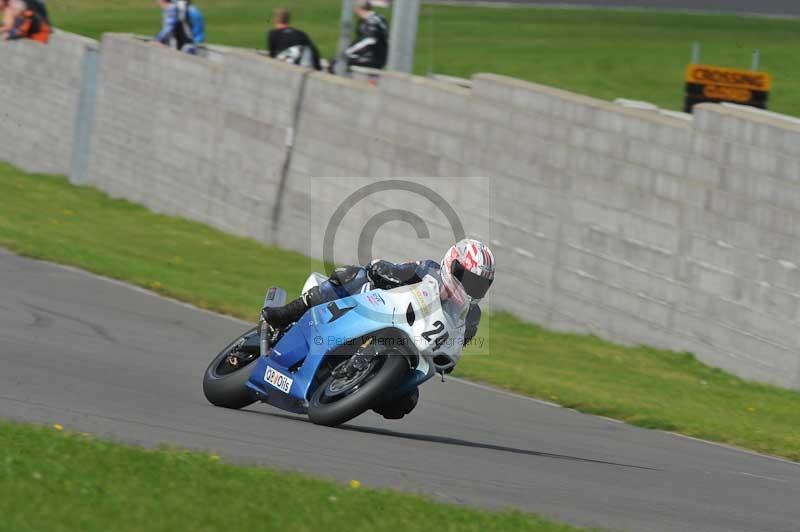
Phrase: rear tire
(228, 389)
(393, 367)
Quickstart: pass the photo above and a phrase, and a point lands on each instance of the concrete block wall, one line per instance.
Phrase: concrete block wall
(422, 123)
(332, 142)
(640, 227)
(742, 246)
(405, 127)
(191, 137)
(625, 223)
(644, 228)
(39, 91)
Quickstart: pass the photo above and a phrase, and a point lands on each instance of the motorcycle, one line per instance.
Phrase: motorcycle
(341, 358)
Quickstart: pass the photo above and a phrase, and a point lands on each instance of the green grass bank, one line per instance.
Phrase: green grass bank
(46, 217)
(603, 53)
(59, 481)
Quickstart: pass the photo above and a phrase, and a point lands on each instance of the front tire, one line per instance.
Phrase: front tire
(224, 385)
(326, 408)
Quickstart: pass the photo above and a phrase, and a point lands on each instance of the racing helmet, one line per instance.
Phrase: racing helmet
(468, 270)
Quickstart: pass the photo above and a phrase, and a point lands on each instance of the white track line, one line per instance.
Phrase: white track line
(612, 420)
(141, 290)
(773, 479)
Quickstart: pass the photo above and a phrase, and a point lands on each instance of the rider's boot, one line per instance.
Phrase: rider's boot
(280, 317)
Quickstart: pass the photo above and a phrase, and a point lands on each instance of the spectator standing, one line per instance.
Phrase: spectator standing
(176, 26)
(29, 21)
(289, 44)
(371, 47)
(8, 18)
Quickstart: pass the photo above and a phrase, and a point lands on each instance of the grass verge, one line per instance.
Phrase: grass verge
(602, 53)
(61, 481)
(45, 217)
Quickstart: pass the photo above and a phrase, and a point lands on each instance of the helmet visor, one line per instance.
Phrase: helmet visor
(474, 285)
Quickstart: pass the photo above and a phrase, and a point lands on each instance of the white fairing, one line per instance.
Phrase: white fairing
(438, 328)
(437, 332)
(315, 279)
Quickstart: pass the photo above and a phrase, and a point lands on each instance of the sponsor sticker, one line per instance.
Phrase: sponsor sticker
(422, 302)
(376, 299)
(278, 380)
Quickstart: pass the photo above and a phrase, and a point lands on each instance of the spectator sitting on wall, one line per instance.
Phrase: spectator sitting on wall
(176, 26)
(289, 44)
(27, 22)
(39, 7)
(371, 47)
(198, 24)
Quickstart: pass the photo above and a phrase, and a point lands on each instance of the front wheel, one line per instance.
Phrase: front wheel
(224, 382)
(340, 399)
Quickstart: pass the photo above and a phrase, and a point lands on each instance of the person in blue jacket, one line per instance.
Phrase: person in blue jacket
(198, 24)
(176, 27)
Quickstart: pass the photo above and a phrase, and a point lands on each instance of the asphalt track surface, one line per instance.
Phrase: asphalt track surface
(756, 7)
(99, 356)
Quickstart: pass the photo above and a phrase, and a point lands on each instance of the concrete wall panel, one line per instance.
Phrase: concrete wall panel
(190, 137)
(39, 94)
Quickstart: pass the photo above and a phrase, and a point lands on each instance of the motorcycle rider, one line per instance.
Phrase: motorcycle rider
(290, 44)
(465, 274)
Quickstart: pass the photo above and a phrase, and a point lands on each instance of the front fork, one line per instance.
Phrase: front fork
(263, 337)
(275, 297)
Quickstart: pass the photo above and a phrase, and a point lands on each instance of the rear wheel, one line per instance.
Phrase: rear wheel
(341, 398)
(225, 378)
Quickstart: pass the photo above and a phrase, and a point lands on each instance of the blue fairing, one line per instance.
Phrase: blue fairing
(302, 349)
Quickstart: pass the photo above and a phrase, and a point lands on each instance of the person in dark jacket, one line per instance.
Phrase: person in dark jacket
(289, 44)
(40, 8)
(371, 46)
(29, 21)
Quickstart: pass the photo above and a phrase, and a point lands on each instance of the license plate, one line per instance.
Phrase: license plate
(278, 380)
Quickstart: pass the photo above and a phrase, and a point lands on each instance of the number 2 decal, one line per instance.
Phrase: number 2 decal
(438, 327)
